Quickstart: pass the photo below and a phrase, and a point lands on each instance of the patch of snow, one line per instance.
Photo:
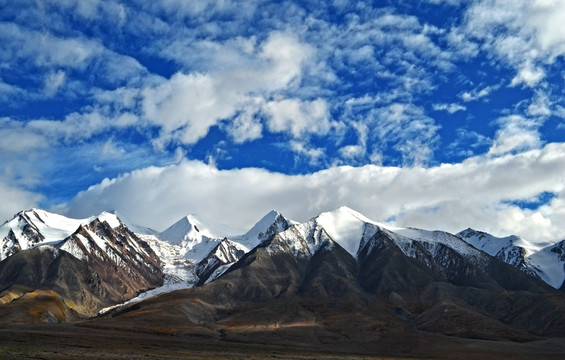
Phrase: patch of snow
(441, 237)
(53, 227)
(72, 248)
(492, 244)
(177, 269)
(49, 248)
(303, 240)
(101, 243)
(146, 295)
(549, 267)
(218, 272)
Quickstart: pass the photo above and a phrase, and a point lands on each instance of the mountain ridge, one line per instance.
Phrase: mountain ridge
(280, 263)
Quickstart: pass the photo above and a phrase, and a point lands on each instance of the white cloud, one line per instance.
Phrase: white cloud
(413, 133)
(467, 143)
(353, 152)
(448, 2)
(247, 126)
(313, 155)
(15, 199)
(540, 106)
(53, 82)
(516, 133)
(527, 35)
(187, 105)
(111, 150)
(477, 94)
(528, 75)
(91, 10)
(44, 49)
(298, 117)
(181, 8)
(7, 91)
(450, 108)
(452, 197)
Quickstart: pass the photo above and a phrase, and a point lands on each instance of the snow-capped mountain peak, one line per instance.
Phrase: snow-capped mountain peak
(32, 227)
(193, 228)
(346, 227)
(111, 219)
(195, 236)
(273, 222)
(186, 228)
(541, 260)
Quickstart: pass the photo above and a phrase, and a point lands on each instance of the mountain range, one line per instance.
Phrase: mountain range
(339, 279)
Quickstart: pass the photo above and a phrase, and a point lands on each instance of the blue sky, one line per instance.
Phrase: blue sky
(440, 114)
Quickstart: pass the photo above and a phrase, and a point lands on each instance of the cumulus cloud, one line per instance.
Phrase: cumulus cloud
(473, 193)
(247, 126)
(298, 117)
(187, 105)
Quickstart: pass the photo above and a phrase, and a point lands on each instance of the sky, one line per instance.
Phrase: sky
(439, 114)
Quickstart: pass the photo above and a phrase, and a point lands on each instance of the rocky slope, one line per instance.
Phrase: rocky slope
(100, 264)
(341, 278)
(542, 260)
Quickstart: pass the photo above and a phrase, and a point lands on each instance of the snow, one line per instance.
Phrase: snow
(146, 295)
(218, 272)
(351, 230)
(52, 226)
(538, 256)
(175, 267)
(223, 251)
(49, 248)
(258, 233)
(198, 250)
(191, 239)
(303, 240)
(101, 243)
(193, 227)
(492, 244)
(548, 266)
(72, 248)
(109, 218)
(345, 227)
(197, 237)
(440, 237)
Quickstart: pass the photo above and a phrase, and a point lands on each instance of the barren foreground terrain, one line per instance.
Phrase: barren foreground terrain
(70, 341)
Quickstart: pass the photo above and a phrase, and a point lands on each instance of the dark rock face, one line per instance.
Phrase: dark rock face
(446, 292)
(95, 267)
(126, 265)
(226, 252)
